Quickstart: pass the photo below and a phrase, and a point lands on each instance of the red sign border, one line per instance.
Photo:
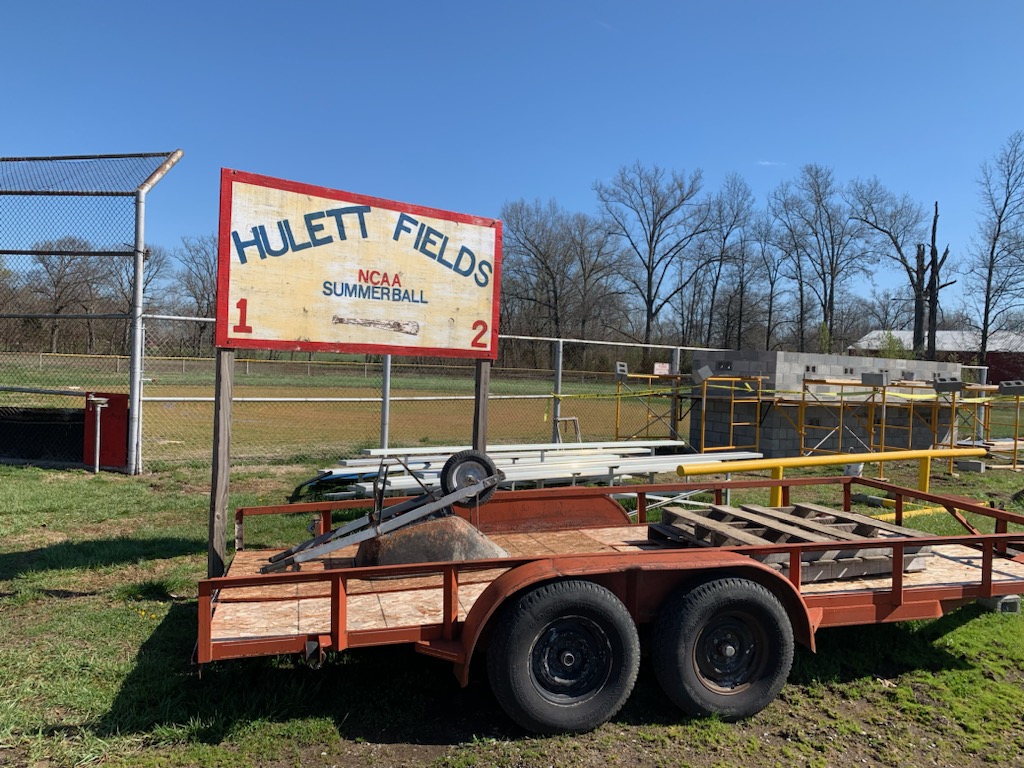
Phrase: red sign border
(223, 340)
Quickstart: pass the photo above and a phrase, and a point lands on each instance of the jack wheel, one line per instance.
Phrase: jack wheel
(464, 469)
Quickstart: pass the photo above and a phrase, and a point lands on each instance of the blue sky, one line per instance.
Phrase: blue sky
(466, 105)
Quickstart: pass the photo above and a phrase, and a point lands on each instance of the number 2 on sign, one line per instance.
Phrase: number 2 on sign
(242, 327)
(478, 342)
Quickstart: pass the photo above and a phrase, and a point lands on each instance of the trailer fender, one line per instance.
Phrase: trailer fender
(617, 572)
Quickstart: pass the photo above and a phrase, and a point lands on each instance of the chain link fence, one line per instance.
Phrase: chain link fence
(72, 324)
(316, 406)
(305, 406)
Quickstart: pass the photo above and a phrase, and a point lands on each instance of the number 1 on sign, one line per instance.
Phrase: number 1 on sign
(242, 327)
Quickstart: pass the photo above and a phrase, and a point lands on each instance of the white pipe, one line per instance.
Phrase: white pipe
(135, 377)
(385, 402)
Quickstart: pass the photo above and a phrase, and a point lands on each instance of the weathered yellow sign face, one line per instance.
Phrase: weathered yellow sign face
(308, 268)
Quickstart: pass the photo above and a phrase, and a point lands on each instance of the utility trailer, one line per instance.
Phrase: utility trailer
(726, 591)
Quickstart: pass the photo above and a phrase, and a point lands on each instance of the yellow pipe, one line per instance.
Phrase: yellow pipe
(924, 474)
(778, 466)
(775, 494)
(890, 517)
(754, 465)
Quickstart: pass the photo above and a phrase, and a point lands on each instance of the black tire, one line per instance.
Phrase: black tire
(564, 657)
(723, 647)
(464, 469)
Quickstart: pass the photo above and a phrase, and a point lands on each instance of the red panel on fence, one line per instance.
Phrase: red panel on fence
(113, 430)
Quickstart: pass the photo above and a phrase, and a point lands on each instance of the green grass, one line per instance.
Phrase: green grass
(98, 624)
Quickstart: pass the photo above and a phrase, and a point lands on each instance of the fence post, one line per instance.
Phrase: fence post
(676, 386)
(135, 375)
(483, 390)
(556, 397)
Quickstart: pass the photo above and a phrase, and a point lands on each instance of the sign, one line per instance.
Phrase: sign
(313, 269)
(661, 369)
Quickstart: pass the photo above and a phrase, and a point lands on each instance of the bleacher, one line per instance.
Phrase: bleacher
(526, 465)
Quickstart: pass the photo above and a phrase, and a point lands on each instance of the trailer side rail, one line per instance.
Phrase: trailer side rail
(447, 586)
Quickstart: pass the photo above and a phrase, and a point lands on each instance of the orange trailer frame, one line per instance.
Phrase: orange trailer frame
(457, 601)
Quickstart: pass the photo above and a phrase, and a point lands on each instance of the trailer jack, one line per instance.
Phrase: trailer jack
(316, 650)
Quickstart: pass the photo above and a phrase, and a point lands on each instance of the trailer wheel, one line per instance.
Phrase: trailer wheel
(464, 469)
(724, 647)
(564, 657)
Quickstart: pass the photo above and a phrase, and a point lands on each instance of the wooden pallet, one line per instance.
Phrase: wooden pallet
(753, 525)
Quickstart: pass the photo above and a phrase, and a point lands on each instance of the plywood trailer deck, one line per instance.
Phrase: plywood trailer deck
(726, 590)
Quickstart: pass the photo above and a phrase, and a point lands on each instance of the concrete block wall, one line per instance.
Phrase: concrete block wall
(784, 374)
(779, 436)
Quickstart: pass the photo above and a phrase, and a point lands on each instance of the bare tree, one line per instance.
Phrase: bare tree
(852, 319)
(790, 243)
(156, 268)
(655, 216)
(60, 281)
(596, 273)
(995, 268)
(560, 274)
(197, 280)
(723, 246)
(936, 264)
(769, 260)
(537, 262)
(827, 240)
(120, 277)
(889, 311)
(895, 231)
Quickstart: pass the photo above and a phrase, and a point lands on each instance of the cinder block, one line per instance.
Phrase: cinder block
(1004, 604)
(1015, 387)
(947, 384)
(970, 465)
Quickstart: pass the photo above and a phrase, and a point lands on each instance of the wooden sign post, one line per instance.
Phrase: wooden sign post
(311, 269)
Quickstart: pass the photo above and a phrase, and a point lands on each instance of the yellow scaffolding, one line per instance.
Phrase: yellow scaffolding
(953, 418)
(649, 395)
(745, 396)
(887, 414)
(873, 407)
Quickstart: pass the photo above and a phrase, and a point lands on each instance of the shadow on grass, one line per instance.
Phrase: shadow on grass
(845, 654)
(393, 695)
(96, 553)
(384, 695)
